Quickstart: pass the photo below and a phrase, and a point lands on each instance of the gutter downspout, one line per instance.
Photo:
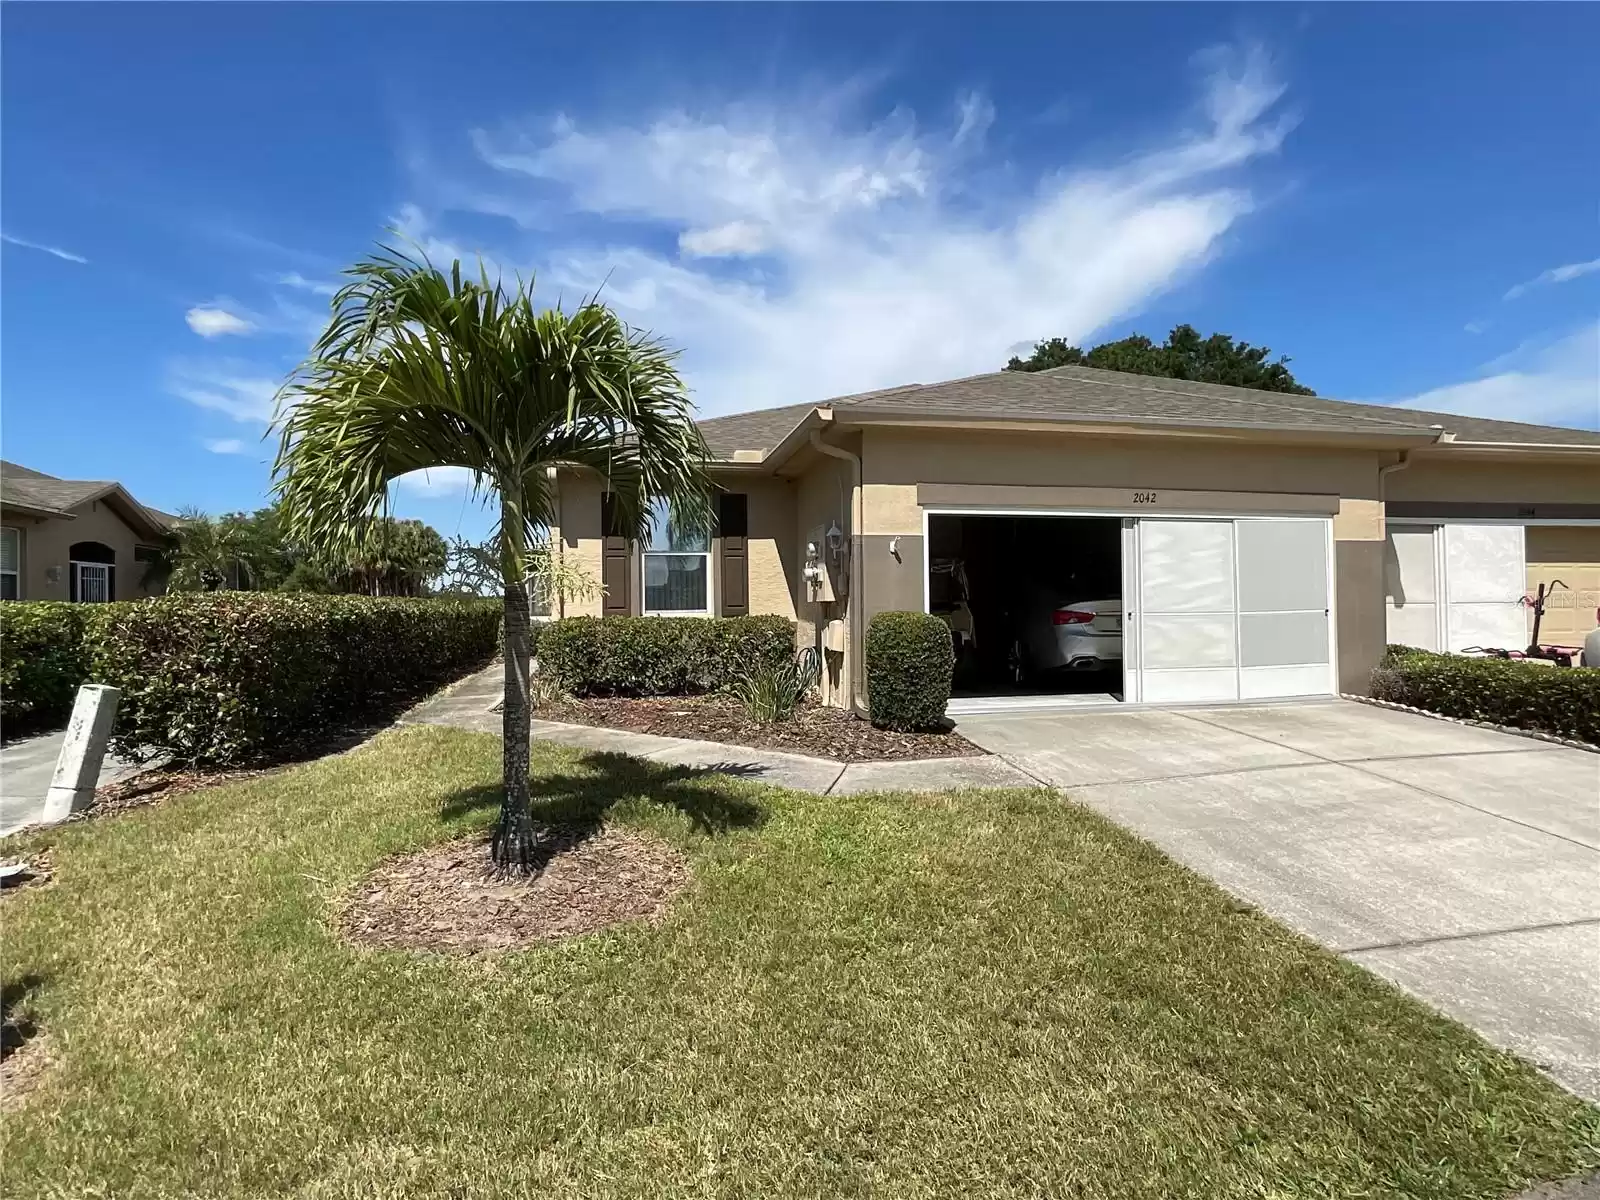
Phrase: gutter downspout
(852, 606)
(1400, 464)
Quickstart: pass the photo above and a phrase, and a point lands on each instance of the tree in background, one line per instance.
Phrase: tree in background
(253, 551)
(420, 369)
(208, 553)
(1184, 355)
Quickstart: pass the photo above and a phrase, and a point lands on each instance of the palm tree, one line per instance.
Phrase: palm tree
(209, 552)
(420, 369)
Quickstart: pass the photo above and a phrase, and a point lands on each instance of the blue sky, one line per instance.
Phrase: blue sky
(807, 200)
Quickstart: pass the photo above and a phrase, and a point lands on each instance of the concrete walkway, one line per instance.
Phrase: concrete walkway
(1459, 863)
(26, 766)
(470, 704)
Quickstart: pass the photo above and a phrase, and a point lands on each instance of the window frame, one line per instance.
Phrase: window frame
(15, 534)
(645, 554)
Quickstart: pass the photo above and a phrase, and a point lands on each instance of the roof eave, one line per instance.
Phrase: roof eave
(1456, 447)
(1399, 436)
(36, 510)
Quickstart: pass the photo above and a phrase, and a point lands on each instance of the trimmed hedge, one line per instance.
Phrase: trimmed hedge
(44, 655)
(1564, 701)
(231, 677)
(659, 656)
(909, 665)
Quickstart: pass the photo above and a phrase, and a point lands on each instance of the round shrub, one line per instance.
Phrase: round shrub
(909, 665)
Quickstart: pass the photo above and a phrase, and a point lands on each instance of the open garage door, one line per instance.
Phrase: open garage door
(1232, 609)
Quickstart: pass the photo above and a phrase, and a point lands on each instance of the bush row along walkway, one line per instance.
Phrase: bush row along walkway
(470, 705)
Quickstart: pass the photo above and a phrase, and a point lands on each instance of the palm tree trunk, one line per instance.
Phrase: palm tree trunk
(512, 848)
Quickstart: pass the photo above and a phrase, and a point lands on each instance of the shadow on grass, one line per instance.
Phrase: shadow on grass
(16, 1025)
(573, 807)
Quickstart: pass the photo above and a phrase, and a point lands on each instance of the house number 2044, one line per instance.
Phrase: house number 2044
(1144, 497)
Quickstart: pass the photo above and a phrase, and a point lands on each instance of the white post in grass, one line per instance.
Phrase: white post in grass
(78, 767)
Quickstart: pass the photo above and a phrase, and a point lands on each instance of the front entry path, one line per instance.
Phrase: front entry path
(1460, 863)
(471, 703)
(26, 767)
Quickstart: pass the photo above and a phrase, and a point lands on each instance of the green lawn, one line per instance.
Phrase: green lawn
(978, 994)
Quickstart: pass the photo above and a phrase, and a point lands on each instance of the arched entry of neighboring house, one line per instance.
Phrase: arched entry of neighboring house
(93, 567)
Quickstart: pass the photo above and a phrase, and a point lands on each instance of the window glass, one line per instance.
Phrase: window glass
(675, 583)
(665, 539)
(10, 541)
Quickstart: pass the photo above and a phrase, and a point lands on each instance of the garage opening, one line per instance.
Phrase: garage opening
(1034, 604)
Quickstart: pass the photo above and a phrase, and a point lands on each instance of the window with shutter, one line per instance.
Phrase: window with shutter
(10, 564)
(733, 532)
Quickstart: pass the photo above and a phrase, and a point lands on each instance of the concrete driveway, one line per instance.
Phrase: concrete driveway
(1459, 863)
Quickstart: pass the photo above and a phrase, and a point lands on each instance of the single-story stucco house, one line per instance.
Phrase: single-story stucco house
(1260, 544)
(85, 540)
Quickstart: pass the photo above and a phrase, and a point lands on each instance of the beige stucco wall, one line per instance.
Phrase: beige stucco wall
(822, 498)
(1570, 554)
(910, 456)
(46, 542)
(774, 554)
(1478, 480)
(579, 534)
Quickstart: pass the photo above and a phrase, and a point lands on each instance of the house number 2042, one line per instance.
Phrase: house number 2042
(1144, 497)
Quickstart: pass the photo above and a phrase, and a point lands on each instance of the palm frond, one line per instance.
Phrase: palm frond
(418, 368)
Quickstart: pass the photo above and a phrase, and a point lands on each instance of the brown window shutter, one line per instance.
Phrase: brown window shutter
(733, 531)
(615, 558)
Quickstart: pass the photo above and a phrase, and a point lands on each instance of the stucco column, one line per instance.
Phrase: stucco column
(1358, 547)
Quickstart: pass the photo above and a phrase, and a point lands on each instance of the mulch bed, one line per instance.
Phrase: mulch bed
(447, 899)
(824, 732)
(37, 868)
(159, 784)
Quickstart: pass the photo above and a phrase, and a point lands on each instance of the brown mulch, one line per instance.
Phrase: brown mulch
(38, 867)
(824, 732)
(447, 899)
(159, 784)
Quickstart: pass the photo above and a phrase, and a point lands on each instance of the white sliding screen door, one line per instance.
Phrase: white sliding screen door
(1187, 612)
(1232, 609)
(1485, 576)
(1284, 647)
(1411, 585)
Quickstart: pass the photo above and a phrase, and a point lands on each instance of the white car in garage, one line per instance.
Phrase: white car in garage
(1080, 635)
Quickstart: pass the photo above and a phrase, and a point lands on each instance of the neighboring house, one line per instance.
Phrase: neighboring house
(75, 539)
(1261, 544)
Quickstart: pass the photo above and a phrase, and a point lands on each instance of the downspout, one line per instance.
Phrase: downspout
(1400, 464)
(851, 602)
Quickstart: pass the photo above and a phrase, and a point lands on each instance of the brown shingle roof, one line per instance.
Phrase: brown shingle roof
(24, 487)
(1086, 394)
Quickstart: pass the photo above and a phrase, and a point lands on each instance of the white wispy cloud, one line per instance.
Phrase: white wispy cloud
(217, 322)
(1475, 327)
(1552, 382)
(224, 445)
(316, 287)
(235, 389)
(66, 255)
(817, 254)
(1562, 274)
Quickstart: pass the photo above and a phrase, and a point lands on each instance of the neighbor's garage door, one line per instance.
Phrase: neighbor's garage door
(1570, 554)
(1232, 609)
